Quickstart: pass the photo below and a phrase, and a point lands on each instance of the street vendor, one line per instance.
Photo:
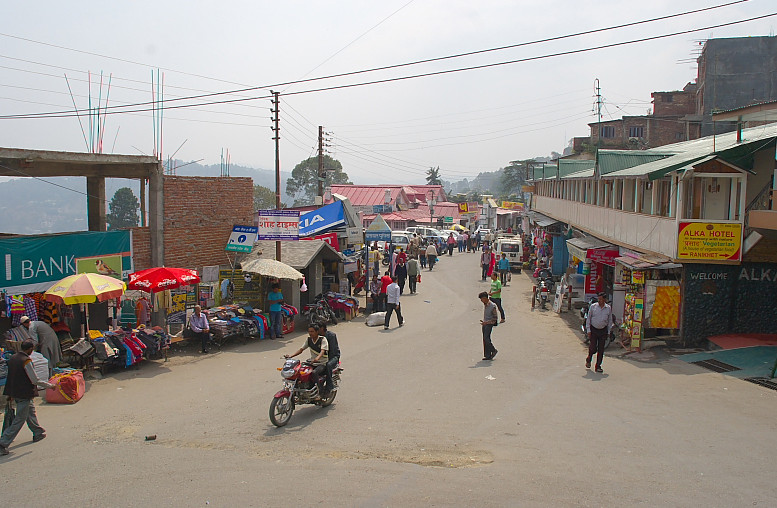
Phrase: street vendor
(45, 338)
(198, 322)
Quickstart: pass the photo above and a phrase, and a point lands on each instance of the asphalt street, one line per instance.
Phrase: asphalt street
(420, 420)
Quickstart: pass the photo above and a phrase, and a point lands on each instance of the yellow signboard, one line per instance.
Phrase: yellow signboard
(512, 205)
(709, 241)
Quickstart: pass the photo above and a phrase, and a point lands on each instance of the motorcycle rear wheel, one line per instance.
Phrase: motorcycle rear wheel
(331, 398)
(281, 409)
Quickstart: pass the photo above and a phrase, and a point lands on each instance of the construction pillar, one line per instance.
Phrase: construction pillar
(95, 203)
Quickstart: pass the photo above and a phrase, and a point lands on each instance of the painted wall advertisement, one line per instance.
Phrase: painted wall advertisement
(709, 241)
(35, 263)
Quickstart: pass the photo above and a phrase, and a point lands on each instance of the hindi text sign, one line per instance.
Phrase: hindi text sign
(278, 225)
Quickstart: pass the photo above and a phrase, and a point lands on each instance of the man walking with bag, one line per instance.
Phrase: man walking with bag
(488, 323)
(598, 325)
(392, 303)
(413, 271)
(22, 386)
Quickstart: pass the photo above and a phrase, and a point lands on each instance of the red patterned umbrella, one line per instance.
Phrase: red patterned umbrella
(159, 279)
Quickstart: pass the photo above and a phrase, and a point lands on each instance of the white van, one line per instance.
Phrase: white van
(513, 249)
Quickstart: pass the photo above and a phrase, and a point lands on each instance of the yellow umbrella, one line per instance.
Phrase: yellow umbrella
(458, 227)
(85, 288)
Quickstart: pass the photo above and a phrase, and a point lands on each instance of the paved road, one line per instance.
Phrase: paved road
(420, 420)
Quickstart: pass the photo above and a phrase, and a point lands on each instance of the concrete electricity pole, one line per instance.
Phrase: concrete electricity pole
(277, 130)
(321, 163)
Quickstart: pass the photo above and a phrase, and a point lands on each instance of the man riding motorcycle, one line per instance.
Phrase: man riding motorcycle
(334, 357)
(319, 349)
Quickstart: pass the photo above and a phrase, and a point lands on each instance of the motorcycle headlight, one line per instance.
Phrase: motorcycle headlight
(286, 374)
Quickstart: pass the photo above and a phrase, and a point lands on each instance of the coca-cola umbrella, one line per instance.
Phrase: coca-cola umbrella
(153, 280)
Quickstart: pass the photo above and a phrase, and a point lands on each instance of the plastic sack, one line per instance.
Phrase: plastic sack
(69, 388)
(376, 319)
(40, 365)
(304, 287)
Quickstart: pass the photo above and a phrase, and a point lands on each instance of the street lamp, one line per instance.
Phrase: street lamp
(432, 202)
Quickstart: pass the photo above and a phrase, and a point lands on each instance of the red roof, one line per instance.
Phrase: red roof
(366, 195)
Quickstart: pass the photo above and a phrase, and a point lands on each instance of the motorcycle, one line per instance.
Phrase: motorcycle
(319, 311)
(542, 293)
(299, 388)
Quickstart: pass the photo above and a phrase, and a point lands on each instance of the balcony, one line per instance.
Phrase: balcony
(765, 220)
(637, 231)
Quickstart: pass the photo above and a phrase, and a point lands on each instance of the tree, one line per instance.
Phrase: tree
(124, 210)
(264, 198)
(303, 184)
(513, 177)
(433, 176)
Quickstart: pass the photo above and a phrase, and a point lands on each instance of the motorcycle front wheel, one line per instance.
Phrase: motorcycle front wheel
(281, 409)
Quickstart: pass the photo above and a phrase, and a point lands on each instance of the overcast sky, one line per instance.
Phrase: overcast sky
(463, 122)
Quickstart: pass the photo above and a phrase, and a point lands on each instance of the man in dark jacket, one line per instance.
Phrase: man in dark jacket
(21, 386)
(334, 358)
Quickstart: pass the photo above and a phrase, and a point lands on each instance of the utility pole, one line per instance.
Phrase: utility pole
(598, 122)
(277, 130)
(321, 163)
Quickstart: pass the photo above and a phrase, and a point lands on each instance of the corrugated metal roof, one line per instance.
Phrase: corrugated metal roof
(550, 171)
(611, 161)
(569, 166)
(689, 152)
(295, 254)
(366, 195)
(586, 173)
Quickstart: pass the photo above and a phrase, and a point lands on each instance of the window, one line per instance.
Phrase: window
(636, 132)
(667, 98)
(607, 131)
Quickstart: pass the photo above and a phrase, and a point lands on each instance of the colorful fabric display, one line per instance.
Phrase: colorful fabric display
(30, 308)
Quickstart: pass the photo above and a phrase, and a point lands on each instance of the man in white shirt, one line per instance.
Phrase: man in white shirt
(392, 303)
(598, 325)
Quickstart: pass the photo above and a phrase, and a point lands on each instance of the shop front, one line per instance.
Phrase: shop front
(595, 260)
(651, 297)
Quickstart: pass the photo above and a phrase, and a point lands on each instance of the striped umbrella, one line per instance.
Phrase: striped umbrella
(85, 288)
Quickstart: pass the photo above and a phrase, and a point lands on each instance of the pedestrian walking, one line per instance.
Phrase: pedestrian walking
(431, 255)
(413, 271)
(460, 243)
(485, 262)
(487, 324)
(504, 268)
(422, 256)
(495, 294)
(598, 325)
(384, 284)
(375, 286)
(21, 386)
(401, 274)
(451, 243)
(392, 303)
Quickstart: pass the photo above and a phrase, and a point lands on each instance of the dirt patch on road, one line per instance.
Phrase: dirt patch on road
(422, 457)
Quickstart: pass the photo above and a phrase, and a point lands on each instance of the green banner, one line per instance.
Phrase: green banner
(34, 263)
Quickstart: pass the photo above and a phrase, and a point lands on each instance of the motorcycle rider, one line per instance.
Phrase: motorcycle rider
(334, 357)
(319, 348)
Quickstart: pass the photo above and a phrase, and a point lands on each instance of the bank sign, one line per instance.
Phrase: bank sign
(34, 263)
(709, 241)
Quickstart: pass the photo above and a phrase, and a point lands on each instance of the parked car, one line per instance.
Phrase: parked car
(513, 250)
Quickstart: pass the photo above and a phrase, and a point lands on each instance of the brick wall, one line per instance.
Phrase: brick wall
(141, 248)
(199, 215)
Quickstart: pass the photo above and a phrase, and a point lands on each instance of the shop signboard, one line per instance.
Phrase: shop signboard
(637, 277)
(109, 265)
(355, 235)
(381, 209)
(447, 220)
(278, 225)
(378, 231)
(330, 238)
(35, 263)
(321, 219)
(709, 241)
(512, 205)
(176, 314)
(241, 239)
(604, 256)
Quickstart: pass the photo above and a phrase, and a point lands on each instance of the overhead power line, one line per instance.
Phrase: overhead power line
(417, 62)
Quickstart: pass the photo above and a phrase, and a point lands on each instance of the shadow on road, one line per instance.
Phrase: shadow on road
(302, 417)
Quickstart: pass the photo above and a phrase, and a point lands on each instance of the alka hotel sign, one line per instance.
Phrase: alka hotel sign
(34, 263)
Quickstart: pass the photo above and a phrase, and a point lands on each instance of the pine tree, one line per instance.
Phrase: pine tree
(124, 210)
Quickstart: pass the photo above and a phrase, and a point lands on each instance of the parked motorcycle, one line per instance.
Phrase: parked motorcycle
(542, 294)
(299, 388)
(319, 311)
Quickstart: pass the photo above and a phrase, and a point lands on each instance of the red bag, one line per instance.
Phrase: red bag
(418, 280)
(69, 388)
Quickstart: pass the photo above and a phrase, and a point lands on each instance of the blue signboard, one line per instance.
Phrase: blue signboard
(242, 239)
(324, 218)
(381, 209)
(378, 231)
